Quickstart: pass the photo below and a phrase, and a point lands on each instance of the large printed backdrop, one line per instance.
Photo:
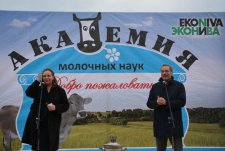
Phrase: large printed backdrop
(113, 58)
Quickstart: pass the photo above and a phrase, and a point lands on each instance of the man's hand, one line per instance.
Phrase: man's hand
(161, 101)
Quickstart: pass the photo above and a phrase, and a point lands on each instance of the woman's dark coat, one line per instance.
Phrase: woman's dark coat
(177, 98)
(58, 97)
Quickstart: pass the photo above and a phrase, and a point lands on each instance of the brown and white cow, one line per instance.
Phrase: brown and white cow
(8, 115)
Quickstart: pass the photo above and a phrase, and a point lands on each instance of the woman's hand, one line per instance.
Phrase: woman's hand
(39, 77)
(51, 107)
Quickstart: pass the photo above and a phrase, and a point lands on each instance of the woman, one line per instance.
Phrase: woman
(53, 102)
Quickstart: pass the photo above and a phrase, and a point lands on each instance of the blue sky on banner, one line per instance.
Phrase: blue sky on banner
(115, 5)
(204, 76)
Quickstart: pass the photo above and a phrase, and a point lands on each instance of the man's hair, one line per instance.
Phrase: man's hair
(171, 69)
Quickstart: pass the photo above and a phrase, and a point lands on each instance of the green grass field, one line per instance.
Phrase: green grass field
(135, 134)
(95, 135)
(205, 135)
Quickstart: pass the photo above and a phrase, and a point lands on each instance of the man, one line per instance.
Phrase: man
(167, 97)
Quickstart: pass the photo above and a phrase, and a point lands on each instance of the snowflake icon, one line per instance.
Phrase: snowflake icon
(112, 55)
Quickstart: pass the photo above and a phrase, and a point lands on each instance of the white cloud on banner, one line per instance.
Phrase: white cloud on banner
(22, 23)
(146, 23)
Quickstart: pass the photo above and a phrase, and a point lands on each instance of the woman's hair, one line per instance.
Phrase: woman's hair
(54, 81)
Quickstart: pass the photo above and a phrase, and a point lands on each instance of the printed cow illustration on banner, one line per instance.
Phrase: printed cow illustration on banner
(89, 34)
(8, 115)
(76, 111)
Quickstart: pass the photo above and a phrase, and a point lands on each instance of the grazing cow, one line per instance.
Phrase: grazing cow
(75, 111)
(8, 115)
(89, 34)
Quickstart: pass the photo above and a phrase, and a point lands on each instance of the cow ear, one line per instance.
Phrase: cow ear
(87, 100)
(75, 17)
(99, 16)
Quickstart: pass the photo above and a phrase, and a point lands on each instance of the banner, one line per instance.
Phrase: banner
(110, 61)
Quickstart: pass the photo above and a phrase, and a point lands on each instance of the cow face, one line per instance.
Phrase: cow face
(89, 34)
(77, 105)
(8, 115)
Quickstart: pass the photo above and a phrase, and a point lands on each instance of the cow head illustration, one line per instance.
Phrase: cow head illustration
(89, 34)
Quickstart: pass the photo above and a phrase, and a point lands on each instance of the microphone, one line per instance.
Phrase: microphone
(165, 82)
(170, 118)
(41, 83)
